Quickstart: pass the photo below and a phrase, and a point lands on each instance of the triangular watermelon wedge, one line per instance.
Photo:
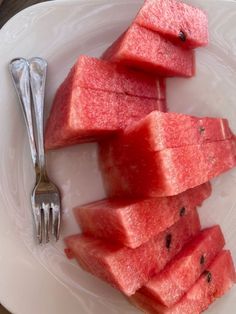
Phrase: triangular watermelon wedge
(146, 50)
(217, 280)
(169, 286)
(138, 172)
(76, 115)
(131, 222)
(179, 22)
(97, 74)
(161, 130)
(129, 269)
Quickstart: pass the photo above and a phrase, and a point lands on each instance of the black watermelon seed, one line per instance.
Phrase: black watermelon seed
(182, 36)
(208, 276)
(202, 260)
(201, 129)
(182, 211)
(168, 241)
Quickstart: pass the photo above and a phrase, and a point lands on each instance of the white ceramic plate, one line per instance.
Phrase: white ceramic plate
(41, 280)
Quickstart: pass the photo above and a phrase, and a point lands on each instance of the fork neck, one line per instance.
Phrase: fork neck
(40, 137)
(42, 163)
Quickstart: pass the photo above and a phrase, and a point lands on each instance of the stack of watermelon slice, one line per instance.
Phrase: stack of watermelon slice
(146, 239)
(161, 39)
(99, 98)
(172, 152)
(212, 284)
(129, 269)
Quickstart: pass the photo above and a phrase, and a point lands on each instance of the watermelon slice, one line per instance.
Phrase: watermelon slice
(105, 76)
(85, 115)
(177, 21)
(144, 49)
(133, 222)
(214, 283)
(165, 173)
(128, 269)
(180, 274)
(160, 130)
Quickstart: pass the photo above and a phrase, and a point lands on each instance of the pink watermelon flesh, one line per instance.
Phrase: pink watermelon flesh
(132, 222)
(85, 115)
(128, 269)
(165, 173)
(181, 273)
(102, 75)
(184, 25)
(146, 50)
(217, 280)
(160, 130)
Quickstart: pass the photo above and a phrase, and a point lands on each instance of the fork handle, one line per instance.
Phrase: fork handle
(38, 71)
(19, 70)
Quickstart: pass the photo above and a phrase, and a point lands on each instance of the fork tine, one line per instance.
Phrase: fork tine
(56, 220)
(46, 214)
(37, 213)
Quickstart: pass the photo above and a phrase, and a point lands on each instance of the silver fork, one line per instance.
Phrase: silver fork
(20, 75)
(45, 197)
